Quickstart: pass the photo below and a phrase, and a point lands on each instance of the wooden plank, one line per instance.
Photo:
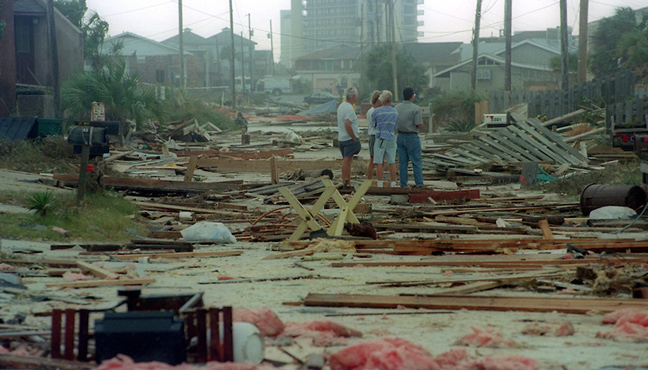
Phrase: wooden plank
(500, 278)
(122, 183)
(444, 195)
(558, 140)
(242, 155)
(550, 147)
(98, 283)
(191, 167)
(495, 261)
(491, 140)
(454, 302)
(564, 117)
(487, 149)
(261, 165)
(514, 142)
(179, 255)
(468, 154)
(478, 151)
(97, 271)
(527, 146)
(165, 207)
(274, 171)
(470, 288)
(546, 229)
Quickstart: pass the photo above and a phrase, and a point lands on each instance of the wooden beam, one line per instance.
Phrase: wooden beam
(97, 271)
(546, 229)
(179, 255)
(123, 183)
(170, 207)
(98, 283)
(191, 167)
(274, 171)
(255, 155)
(261, 165)
(500, 278)
(453, 302)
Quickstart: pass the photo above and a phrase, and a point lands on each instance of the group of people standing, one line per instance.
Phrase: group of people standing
(391, 130)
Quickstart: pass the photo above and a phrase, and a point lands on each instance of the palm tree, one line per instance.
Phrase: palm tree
(117, 89)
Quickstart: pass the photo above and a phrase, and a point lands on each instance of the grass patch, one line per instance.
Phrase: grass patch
(107, 217)
(50, 154)
(615, 174)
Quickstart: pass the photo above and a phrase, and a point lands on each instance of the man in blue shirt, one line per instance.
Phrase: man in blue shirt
(385, 119)
(410, 121)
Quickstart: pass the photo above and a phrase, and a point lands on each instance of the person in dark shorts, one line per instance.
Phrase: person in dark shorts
(348, 136)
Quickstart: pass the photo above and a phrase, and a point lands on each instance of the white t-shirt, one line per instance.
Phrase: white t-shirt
(346, 112)
(371, 130)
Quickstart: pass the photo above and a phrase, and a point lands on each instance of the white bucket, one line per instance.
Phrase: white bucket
(248, 343)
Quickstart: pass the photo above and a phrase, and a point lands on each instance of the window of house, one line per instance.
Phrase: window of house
(159, 76)
(23, 37)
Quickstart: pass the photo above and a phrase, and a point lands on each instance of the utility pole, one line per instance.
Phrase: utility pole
(473, 81)
(393, 47)
(251, 69)
(242, 65)
(232, 74)
(507, 35)
(564, 45)
(270, 36)
(218, 64)
(56, 83)
(582, 42)
(181, 45)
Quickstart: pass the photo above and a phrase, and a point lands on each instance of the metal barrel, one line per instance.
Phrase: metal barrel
(596, 196)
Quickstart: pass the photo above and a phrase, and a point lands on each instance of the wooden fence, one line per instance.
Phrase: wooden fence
(630, 113)
(550, 104)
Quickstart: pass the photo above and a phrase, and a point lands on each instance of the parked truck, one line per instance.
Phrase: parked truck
(275, 85)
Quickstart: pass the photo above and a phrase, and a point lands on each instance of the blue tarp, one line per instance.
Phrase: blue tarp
(326, 108)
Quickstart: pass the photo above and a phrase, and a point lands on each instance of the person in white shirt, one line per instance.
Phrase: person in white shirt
(348, 137)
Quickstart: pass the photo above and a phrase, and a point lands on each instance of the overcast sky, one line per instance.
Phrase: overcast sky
(445, 20)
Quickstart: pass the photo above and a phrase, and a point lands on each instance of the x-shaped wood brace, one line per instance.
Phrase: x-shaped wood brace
(330, 191)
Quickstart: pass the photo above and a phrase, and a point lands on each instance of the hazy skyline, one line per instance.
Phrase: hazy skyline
(443, 20)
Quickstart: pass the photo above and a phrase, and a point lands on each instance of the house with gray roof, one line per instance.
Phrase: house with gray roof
(530, 64)
(332, 69)
(154, 62)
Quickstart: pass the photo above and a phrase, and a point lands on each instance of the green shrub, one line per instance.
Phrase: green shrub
(42, 202)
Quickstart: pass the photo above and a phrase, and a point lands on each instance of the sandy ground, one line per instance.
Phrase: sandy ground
(435, 331)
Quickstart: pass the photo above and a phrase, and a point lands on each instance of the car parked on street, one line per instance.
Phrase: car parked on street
(320, 98)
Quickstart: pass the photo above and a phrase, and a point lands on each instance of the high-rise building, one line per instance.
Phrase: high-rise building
(312, 25)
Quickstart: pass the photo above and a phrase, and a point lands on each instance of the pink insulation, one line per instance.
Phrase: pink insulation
(629, 326)
(502, 363)
(122, 362)
(557, 329)
(264, 318)
(74, 276)
(485, 338)
(399, 354)
(7, 268)
(383, 354)
(629, 315)
(323, 333)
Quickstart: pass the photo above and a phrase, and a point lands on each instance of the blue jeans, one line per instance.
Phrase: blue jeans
(409, 149)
